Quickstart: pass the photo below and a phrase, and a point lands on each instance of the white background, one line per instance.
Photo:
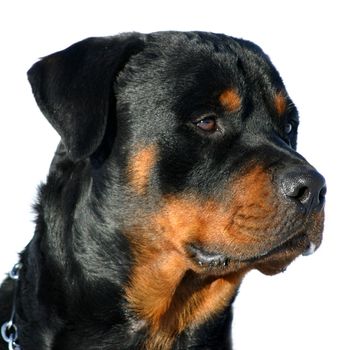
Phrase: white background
(308, 306)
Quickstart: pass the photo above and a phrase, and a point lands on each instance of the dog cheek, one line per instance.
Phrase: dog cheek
(184, 221)
(255, 207)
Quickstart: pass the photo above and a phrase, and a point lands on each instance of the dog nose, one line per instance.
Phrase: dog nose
(306, 187)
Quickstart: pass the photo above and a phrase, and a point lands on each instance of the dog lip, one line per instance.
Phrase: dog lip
(294, 242)
(298, 242)
(204, 257)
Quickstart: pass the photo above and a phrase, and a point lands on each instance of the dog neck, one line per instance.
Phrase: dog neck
(174, 300)
(90, 278)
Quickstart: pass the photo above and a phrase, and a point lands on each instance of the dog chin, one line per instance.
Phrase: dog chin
(279, 259)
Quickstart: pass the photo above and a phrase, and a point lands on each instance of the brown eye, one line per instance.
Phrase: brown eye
(207, 124)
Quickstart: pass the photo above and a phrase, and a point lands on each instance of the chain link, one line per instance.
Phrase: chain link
(9, 334)
(9, 330)
(14, 273)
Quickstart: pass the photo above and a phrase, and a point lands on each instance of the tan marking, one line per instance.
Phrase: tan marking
(140, 168)
(170, 291)
(171, 298)
(167, 289)
(183, 220)
(235, 226)
(256, 203)
(280, 103)
(230, 100)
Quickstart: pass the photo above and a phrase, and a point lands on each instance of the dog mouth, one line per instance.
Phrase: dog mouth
(299, 244)
(270, 262)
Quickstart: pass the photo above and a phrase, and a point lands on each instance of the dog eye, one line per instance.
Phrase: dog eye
(207, 124)
(288, 128)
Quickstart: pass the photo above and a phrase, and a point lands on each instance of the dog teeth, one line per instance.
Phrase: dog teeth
(310, 250)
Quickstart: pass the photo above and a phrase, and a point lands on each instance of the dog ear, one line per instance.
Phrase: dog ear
(73, 88)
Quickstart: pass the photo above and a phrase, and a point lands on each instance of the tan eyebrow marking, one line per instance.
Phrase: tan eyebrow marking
(280, 103)
(230, 100)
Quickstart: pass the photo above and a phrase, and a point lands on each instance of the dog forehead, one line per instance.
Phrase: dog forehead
(205, 61)
(185, 75)
(185, 56)
(166, 74)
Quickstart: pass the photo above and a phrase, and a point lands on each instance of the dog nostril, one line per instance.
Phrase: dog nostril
(302, 194)
(306, 187)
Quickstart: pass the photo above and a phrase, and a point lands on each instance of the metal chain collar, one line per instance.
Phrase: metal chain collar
(9, 329)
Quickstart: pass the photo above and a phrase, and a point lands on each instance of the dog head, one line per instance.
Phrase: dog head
(196, 135)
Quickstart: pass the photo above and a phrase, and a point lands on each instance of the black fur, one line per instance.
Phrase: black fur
(106, 97)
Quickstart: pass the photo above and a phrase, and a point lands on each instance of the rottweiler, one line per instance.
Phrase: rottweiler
(176, 174)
